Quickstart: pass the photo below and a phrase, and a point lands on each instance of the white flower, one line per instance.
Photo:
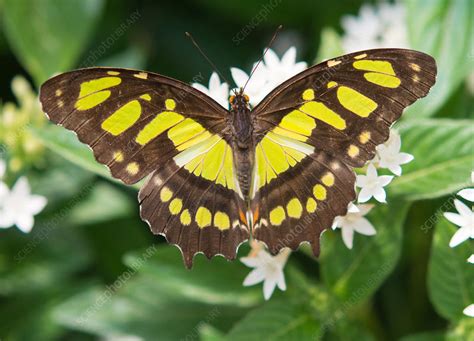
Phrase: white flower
(469, 311)
(269, 74)
(468, 193)
(375, 27)
(20, 206)
(278, 70)
(389, 156)
(267, 268)
(217, 91)
(464, 219)
(256, 89)
(354, 220)
(471, 259)
(372, 185)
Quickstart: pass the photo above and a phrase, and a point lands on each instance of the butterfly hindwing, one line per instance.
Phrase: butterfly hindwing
(326, 120)
(139, 123)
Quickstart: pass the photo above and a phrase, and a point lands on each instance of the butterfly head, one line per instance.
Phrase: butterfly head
(239, 100)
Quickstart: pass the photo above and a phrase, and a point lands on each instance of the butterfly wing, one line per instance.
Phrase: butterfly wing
(138, 123)
(312, 129)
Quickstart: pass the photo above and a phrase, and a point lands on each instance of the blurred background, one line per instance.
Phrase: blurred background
(90, 269)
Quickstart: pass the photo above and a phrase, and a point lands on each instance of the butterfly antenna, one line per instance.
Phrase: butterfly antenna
(263, 55)
(206, 57)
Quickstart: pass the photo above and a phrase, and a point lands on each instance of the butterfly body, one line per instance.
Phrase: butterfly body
(279, 172)
(243, 141)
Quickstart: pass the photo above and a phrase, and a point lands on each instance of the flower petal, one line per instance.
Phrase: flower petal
(384, 180)
(455, 218)
(268, 288)
(469, 310)
(271, 59)
(281, 281)
(21, 187)
(364, 209)
(348, 236)
(36, 203)
(6, 219)
(405, 158)
(395, 169)
(289, 58)
(239, 76)
(462, 208)
(364, 195)
(380, 195)
(467, 194)
(471, 259)
(461, 235)
(363, 226)
(201, 88)
(251, 262)
(371, 171)
(25, 222)
(255, 276)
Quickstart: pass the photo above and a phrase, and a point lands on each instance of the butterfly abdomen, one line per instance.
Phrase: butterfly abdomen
(243, 142)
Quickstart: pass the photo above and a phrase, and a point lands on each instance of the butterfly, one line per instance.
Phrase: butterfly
(279, 172)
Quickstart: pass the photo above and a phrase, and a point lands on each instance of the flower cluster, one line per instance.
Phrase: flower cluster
(377, 26)
(465, 220)
(22, 149)
(18, 206)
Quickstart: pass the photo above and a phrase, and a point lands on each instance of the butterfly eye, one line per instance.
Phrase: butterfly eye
(231, 99)
(246, 98)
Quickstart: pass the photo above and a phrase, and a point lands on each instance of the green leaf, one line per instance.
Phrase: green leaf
(66, 144)
(443, 151)
(277, 320)
(200, 284)
(330, 46)
(105, 202)
(427, 336)
(42, 259)
(141, 302)
(450, 276)
(443, 29)
(353, 275)
(132, 58)
(32, 314)
(48, 36)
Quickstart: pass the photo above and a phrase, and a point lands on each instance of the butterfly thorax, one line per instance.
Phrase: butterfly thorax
(242, 140)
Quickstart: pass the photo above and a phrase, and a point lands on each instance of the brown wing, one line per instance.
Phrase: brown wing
(317, 125)
(138, 123)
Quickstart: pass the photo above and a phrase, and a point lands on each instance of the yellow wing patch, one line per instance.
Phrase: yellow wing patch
(381, 72)
(93, 93)
(123, 119)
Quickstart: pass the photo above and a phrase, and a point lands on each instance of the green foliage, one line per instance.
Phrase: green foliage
(353, 275)
(443, 29)
(277, 320)
(451, 277)
(435, 172)
(147, 299)
(48, 36)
